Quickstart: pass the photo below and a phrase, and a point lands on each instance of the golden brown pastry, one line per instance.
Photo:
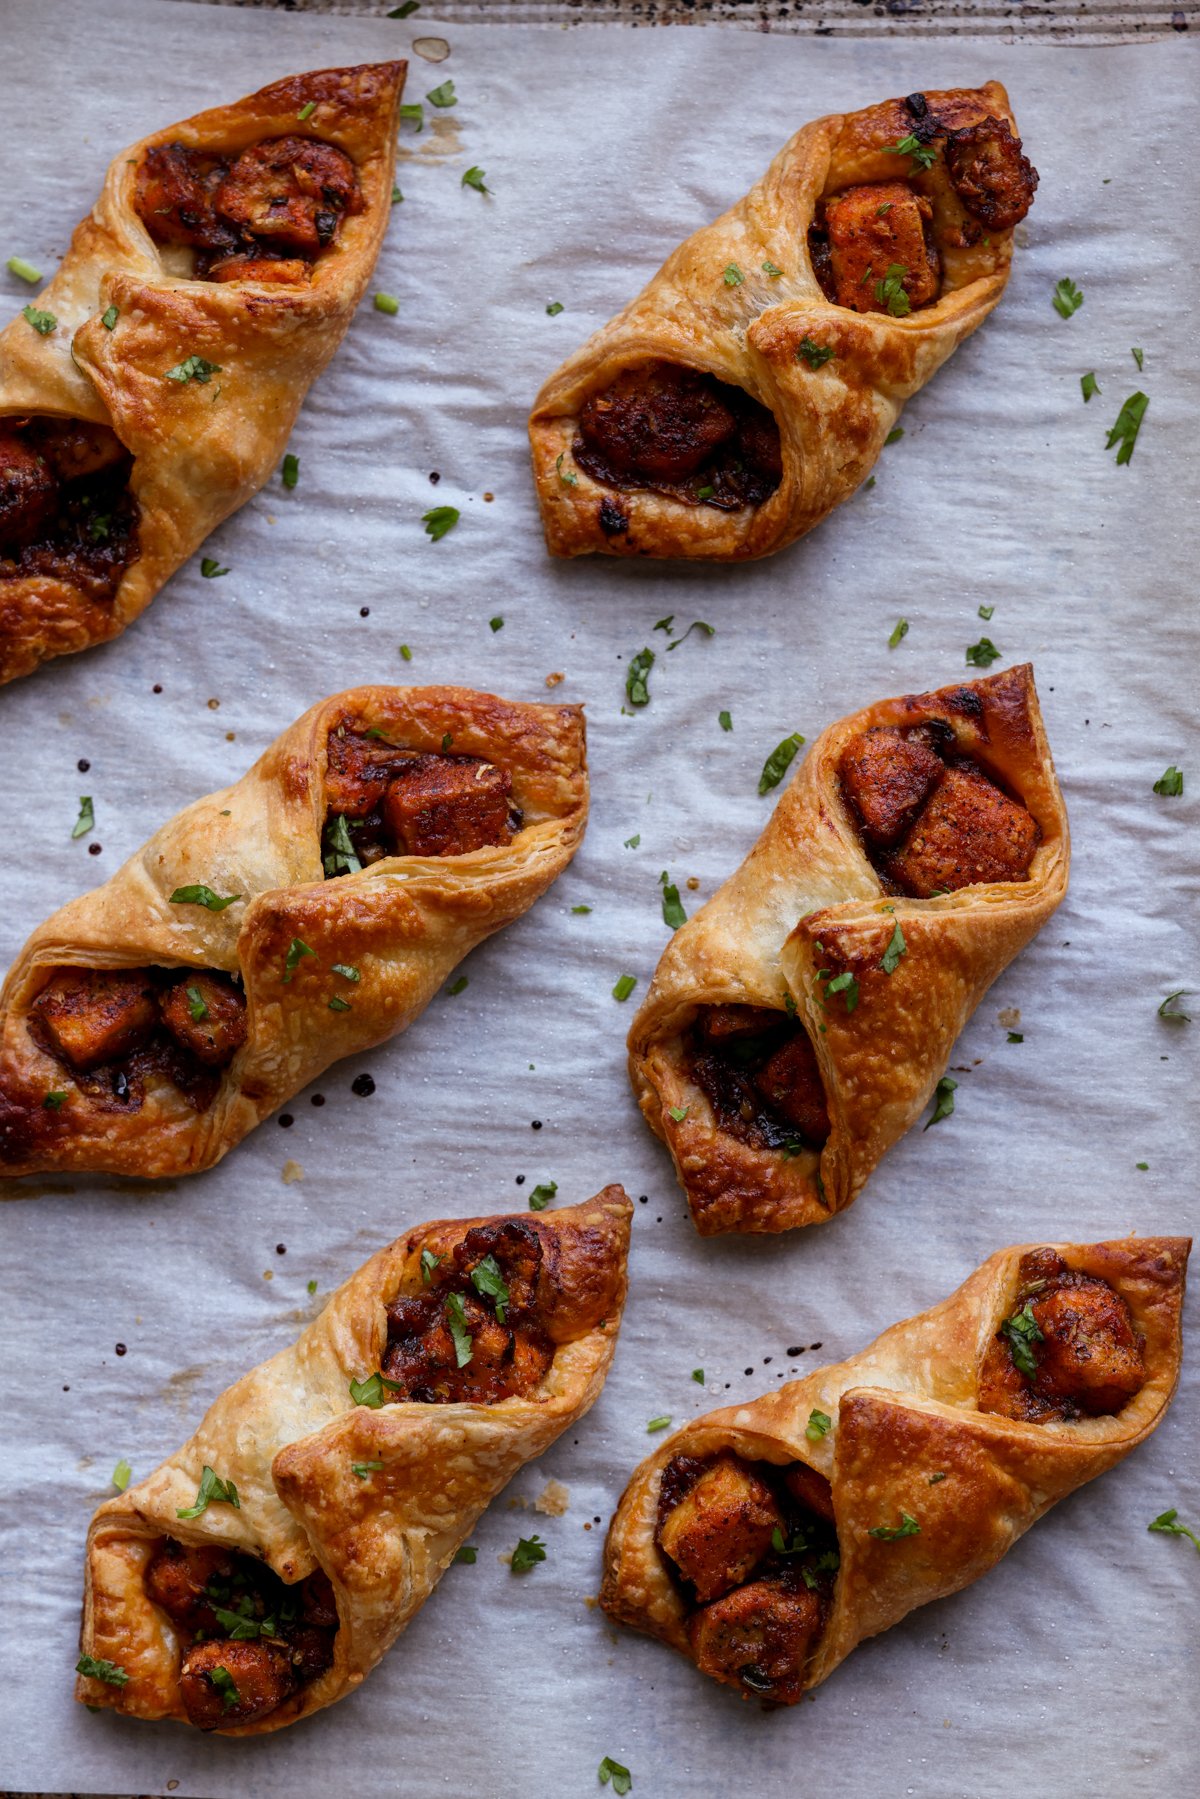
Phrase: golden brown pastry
(150, 390)
(749, 388)
(767, 1540)
(798, 1023)
(305, 913)
(262, 1571)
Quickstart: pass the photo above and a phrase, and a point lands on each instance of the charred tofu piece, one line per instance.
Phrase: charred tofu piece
(657, 423)
(206, 1015)
(876, 228)
(248, 267)
(991, 177)
(447, 806)
(887, 777)
(721, 1528)
(790, 1082)
(293, 191)
(93, 1015)
(28, 491)
(761, 1637)
(1089, 1354)
(968, 832)
(176, 1580)
(422, 1354)
(318, 1605)
(232, 1682)
(174, 194)
(729, 1024)
(357, 771)
(75, 449)
(811, 1489)
(310, 1652)
(516, 1249)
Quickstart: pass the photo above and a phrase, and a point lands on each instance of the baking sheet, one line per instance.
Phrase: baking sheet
(1067, 1671)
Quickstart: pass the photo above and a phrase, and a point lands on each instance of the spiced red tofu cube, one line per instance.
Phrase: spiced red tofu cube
(887, 778)
(447, 806)
(876, 228)
(969, 831)
(94, 1015)
(790, 1081)
(206, 1015)
(722, 1527)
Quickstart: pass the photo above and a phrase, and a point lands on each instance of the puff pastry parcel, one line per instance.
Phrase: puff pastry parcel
(305, 913)
(798, 1023)
(150, 389)
(261, 1572)
(767, 1540)
(749, 388)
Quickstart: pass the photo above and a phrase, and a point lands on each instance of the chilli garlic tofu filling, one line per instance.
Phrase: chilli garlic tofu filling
(753, 1550)
(877, 246)
(66, 513)
(681, 433)
(382, 800)
(248, 1641)
(758, 1071)
(933, 821)
(1068, 1349)
(115, 1032)
(264, 215)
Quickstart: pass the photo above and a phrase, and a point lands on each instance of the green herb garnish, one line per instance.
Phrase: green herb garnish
(200, 895)
(122, 1474)
(528, 1551)
(296, 952)
(923, 155)
(891, 292)
(554, 308)
(637, 676)
(672, 907)
(290, 472)
(1168, 1009)
(725, 720)
(109, 318)
(443, 95)
(211, 1491)
(1023, 1331)
(1170, 783)
(440, 519)
(982, 654)
(1167, 1523)
(487, 1279)
(895, 949)
(625, 986)
(193, 368)
(657, 1424)
(370, 1392)
(816, 355)
(474, 178)
(456, 1318)
(733, 275)
(94, 1667)
(778, 762)
(818, 1424)
(622, 1779)
(888, 1533)
(542, 1194)
(1088, 385)
(387, 303)
(1129, 423)
(1067, 298)
(943, 1100)
(24, 271)
(899, 631)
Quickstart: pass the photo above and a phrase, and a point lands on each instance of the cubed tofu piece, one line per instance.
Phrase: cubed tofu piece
(357, 771)
(94, 1015)
(660, 422)
(968, 832)
(447, 806)
(791, 1084)
(811, 1489)
(887, 777)
(872, 229)
(252, 1679)
(206, 1015)
(28, 491)
(1089, 1353)
(760, 1639)
(721, 1528)
(726, 1024)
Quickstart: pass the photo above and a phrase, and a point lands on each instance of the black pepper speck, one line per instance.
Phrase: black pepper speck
(520, 1180)
(535, 1124)
(434, 477)
(281, 1249)
(83, 765)
(363, 1085)
(643, 1199)
(121, 1349)
(94, 849)
(286, 1121)
(364, 612)
(157, 688)
(799, 1350)
(318, 1099)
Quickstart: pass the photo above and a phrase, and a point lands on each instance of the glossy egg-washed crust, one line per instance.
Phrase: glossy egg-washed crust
(902, 1410)
(832, 420)
(404, 923)
(200, 449)
(287, 1433)
(807, 899)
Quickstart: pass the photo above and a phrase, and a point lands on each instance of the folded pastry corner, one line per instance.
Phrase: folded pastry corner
(307, 913)
(799, 1022)
(150, 389)
(749, 388)
(262, 1571)
(768, 1539)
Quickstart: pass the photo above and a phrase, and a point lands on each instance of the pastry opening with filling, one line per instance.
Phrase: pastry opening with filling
(753, 1551)
(877, 246)
(758, 1071)
(682, 433)
(933, 821)
(382, 800)
(1067, 1349)
(115, 1032)
(266, 214)
(66, 512)
(248, 1640)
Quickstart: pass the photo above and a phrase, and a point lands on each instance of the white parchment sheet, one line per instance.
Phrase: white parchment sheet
(1071, 1668)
